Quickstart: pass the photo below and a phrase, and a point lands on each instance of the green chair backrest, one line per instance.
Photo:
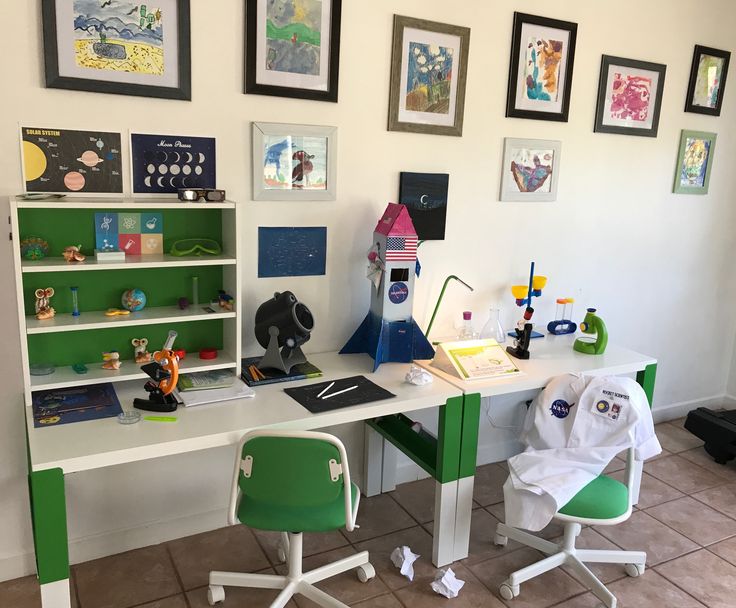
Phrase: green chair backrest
(290, 471)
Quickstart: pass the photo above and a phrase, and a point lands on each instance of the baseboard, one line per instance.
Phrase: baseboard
(118, 541)
(678, 410)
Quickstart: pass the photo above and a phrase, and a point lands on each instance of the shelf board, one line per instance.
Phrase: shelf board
(97, 319)
(65, 377)
(164, 202)
(131, 262)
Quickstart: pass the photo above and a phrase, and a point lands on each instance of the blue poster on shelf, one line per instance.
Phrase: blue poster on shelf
(161, 164)
(291, 252)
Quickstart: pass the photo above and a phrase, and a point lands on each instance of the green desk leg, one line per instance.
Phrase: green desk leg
(466, 478)
(48, 512)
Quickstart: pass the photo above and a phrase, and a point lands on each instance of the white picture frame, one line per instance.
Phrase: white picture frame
(535, 172)
(279, 172)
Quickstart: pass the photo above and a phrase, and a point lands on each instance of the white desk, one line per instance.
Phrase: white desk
(550, 356)
(56, 451)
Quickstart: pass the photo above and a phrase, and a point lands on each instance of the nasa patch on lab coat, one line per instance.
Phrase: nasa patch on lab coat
(607, 408)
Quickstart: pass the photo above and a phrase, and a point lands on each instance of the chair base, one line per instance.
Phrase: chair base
(296, 581)
(565, 553)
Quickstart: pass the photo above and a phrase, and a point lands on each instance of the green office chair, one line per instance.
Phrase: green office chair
(603, 502)
(292, 482)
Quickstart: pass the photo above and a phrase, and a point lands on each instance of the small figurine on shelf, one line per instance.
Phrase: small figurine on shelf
(43, 304)
(141, 354)
(225, 300)
(73, 253)
(34, 248)
(111, 360)
(183, 303)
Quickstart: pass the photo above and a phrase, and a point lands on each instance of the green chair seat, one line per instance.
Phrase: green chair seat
(268, 515)
(602, 498)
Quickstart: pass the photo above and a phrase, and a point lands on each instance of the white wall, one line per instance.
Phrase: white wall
(655, 264)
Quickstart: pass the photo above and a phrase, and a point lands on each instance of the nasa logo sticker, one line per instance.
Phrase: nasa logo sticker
(602, 406)
(560, 408)
(398, 292)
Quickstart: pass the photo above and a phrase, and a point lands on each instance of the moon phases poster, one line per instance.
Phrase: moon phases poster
(64, 161)
(425, 196)
(161, 164)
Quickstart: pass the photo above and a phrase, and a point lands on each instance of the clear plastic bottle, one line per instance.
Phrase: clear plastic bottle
(493, 328)
(466, 333)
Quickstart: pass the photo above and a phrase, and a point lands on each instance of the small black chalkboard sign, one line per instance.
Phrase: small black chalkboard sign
(365, 392)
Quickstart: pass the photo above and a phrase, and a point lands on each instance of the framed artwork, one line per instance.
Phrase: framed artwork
(429, 65)
(425, 196)
(66, 161)
(531, 169)
(694, 162)
(118, 46)
(707, 81)
(629, 96)
(294, 162)
(292, 48)
(540, 72)
(161, 164)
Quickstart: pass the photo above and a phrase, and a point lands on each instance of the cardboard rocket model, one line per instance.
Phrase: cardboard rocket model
(389, 332)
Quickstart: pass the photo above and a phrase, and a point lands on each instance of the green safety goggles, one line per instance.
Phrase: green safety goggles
(196, 247)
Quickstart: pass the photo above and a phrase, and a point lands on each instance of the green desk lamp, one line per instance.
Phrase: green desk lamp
(594, 325)
(439, 300)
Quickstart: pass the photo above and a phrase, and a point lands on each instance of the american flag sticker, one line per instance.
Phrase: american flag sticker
(401, 249)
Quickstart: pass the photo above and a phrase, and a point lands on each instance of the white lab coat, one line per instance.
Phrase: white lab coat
(572, 430)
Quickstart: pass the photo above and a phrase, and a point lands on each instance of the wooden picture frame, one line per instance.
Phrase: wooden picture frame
(707, 80)
(283, 66)
(531, 170)
(529, 94)
(694, 162)
(294, 162)
(76, 59)
(436, 103)
(625, 90)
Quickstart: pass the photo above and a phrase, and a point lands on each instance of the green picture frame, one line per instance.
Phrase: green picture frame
(694, 162)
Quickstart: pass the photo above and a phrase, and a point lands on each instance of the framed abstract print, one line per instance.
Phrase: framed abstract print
(119, 46)
(629, 96)
(707, 81)
(531, 169)
(429, 65)
(292, 48)
(540, 72)
(694, 162)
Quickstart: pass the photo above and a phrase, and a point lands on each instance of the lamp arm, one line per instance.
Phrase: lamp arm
(439, 300)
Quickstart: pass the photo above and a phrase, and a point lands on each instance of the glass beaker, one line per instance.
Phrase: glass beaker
(493, 328)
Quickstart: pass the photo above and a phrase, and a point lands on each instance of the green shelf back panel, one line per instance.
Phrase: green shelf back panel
(68, 348)
(77, 226)
(103, 289)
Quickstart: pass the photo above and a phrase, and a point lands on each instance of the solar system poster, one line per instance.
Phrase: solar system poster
(63, 161)
(161, 164)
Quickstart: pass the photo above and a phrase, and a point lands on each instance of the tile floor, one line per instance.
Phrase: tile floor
(686, 521)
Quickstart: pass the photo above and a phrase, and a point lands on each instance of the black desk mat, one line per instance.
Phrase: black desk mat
(366, 392)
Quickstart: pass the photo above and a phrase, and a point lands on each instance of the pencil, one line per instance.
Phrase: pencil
(325, 389)
(345, 390)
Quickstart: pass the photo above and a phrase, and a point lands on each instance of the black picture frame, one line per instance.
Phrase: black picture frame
(251, 58)
(55, 81)
(699, 51)
(512, 111)
(607, 61)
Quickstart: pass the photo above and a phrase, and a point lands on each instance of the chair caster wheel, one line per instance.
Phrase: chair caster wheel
(500, 540)
(365, 572)
(215, 594)
(634, 570)
(508, 592)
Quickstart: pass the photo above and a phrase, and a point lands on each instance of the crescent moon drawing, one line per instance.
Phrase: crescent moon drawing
(184, 182)
(201, 158)
(147, 180)
(171, 182)
(158, 181)
(178, 156)
(421, 199)
(189, 157)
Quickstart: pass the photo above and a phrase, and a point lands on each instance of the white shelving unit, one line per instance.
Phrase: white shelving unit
(64, 376)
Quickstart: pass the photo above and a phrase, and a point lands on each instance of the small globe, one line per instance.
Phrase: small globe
(34, 248)
(133, 300)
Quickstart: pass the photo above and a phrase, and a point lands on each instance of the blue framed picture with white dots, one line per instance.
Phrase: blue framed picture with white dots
(161, 164)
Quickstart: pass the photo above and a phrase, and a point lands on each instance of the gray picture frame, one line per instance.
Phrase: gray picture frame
(395, 123)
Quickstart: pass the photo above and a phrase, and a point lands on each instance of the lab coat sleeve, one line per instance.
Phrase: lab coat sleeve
(646, 444)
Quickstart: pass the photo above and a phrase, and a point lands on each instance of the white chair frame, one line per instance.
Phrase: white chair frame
(565, 552)
(295, 581)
